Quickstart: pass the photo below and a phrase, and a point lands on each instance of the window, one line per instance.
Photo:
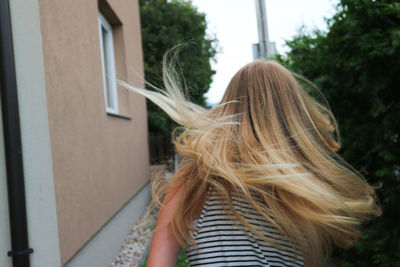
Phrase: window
(108, 65)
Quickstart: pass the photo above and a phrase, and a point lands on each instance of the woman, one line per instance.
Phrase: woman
(261, 184)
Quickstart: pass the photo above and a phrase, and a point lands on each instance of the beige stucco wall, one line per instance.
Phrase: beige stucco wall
(99, 161)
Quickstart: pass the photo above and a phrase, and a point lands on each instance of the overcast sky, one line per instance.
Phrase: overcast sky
(234, 23)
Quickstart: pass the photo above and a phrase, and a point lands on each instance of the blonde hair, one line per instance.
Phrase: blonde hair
(267, 139)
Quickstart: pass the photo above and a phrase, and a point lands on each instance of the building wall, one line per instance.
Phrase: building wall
(102, 249)
(99, 161)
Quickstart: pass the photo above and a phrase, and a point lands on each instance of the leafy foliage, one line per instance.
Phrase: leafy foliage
(182, 259)
(356, 64)
(166, 24)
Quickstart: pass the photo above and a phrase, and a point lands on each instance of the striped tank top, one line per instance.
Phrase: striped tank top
(222, 241)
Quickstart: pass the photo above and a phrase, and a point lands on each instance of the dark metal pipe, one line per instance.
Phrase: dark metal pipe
(12, 143)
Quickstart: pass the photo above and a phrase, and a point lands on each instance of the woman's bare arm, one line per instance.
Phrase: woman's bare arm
(164, 249)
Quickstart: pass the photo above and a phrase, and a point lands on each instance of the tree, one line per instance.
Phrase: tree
(356, 65)
(166, 24)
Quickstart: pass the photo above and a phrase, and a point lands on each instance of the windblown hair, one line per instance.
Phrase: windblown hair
(267, 139)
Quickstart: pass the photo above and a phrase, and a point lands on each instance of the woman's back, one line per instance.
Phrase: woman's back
(222, 240)
(269, 136)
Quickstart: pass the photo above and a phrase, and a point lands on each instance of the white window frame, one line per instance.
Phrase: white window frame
(110, 85)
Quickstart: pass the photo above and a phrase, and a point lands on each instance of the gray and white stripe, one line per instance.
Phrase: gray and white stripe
(223, 241)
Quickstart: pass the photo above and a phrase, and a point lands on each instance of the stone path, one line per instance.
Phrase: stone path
(134, 248)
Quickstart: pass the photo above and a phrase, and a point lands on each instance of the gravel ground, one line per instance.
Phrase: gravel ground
(135, 245)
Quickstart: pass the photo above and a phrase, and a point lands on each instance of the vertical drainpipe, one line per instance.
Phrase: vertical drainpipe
(12, 143)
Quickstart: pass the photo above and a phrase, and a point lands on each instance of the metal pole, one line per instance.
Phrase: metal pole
(262, 28)
(12, 143)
